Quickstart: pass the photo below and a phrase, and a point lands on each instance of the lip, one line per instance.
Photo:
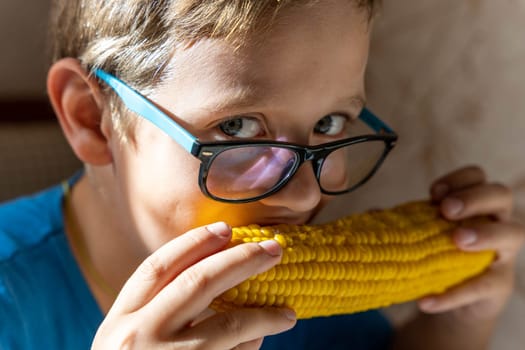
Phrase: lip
(287, 220)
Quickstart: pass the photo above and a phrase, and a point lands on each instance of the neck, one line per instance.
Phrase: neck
(105, 255)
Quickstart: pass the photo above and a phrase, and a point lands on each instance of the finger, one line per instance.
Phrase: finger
(490, 199)
(462, 178)
(227, 330)
(202, 316)
(504, 237)
(194, 289)
(251, 345)
(169, 261)
(495, 284)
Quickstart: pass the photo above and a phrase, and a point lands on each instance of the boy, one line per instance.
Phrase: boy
(240, 81)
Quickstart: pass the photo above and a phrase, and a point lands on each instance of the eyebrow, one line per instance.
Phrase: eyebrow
(358, 99)
(235, 98)
(248, 97)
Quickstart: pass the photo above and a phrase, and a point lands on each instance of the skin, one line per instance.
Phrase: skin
(139, 203)
(464, 317)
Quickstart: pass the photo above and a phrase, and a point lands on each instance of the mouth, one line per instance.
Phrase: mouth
(287, 220)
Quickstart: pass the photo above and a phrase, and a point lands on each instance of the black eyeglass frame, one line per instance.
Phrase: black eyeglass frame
(206, 152)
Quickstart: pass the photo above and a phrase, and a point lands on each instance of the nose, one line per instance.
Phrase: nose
(301, 193)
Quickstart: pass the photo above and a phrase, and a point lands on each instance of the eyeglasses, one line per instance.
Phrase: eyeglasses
(241, 172)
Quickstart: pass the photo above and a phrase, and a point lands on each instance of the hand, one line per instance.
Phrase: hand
(162, 303)
(466, 193)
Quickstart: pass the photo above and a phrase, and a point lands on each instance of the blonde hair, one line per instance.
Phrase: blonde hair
(134, 39)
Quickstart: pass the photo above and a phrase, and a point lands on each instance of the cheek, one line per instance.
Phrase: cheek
(162, 195)
(160, 182)
(162, 169)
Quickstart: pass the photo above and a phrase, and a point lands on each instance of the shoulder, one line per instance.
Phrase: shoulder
(41, 285)
(27, 221)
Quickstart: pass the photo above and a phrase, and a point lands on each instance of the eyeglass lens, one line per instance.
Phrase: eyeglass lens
(348, 166)
(251, 171)
(248, 172)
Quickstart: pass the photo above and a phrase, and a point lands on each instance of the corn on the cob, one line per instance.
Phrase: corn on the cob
(360, 262)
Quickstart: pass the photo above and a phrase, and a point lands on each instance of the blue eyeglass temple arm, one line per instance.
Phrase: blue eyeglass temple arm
(143, 107)
(374, 122)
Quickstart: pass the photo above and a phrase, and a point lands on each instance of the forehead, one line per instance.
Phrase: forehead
(308, 50)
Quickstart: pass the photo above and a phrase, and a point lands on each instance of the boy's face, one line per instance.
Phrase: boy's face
(310, 65)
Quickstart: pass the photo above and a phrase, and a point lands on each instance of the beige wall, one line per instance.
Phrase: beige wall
(22, 42)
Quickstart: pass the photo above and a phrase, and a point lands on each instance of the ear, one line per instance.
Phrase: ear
(79, 104)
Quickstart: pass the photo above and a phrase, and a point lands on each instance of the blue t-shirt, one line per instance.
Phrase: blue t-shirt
(46, 304)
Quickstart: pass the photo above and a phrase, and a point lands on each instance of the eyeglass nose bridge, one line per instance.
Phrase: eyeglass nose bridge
(317, 157)
(310, 154)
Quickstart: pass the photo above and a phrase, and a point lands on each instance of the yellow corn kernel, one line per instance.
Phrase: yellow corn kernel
(360, 262)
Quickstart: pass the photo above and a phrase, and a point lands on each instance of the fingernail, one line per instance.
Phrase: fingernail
(440, 190)
(427, 304)
(289, 314)
(220, 229)
(453, 206)
(271, 247)
(466, 236)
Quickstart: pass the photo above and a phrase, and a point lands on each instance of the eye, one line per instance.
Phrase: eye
(243, 127)
(331, 125)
